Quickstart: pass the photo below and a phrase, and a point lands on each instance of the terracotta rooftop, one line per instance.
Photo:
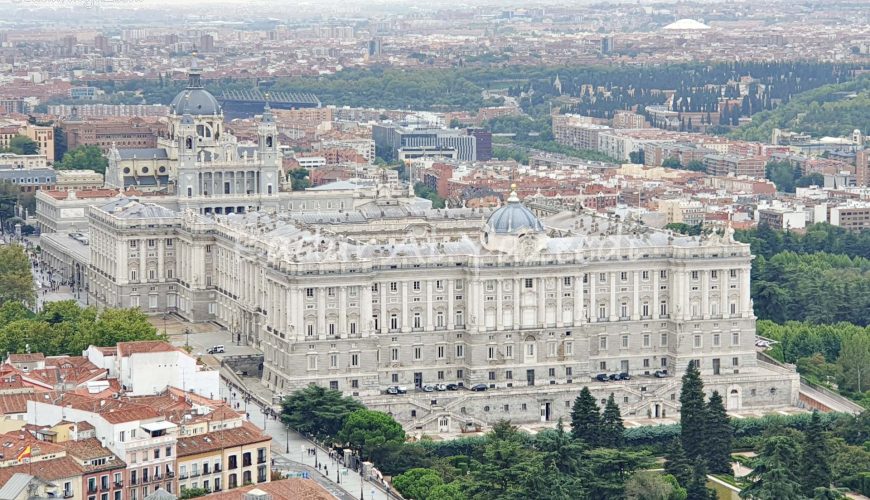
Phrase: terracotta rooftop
(112, 410)
(285, 489)
(26, 357)
(143, 346)
(17, 403)
(87, 450)
(247, 434)
(13, 443)
(48, 470)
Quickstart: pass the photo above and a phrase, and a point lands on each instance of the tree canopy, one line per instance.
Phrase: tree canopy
(16, 279)
(317, 411)
(21, 145)
(84, 158)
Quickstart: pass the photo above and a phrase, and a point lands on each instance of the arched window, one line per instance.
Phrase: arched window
(268, 141)
(188, 143)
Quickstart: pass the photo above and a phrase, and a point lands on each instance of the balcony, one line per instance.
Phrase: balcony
(134, 482)
(170, 474)
(92, 489)
(182, 477)
(194, 473)
(119, 484)
(217, 468)
(261, 460)
(67, 494)
(105, 487)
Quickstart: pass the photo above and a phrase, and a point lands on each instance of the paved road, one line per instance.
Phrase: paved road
(351, 485)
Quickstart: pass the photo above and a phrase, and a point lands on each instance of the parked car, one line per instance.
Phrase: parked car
(614, 376)
(440, 387)
(601, 377)
(392, 389)
(624, 376)
(661, 373)
(478, 387)
(452, 387)
(428, 388)
(215, 349)
(402, 389)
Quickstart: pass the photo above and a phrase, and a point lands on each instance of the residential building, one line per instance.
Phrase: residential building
(224, 459)
(735, 165)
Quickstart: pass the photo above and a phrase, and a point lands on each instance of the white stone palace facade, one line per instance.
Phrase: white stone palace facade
(396, 293)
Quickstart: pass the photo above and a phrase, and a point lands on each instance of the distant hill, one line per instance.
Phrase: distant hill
(831, 110)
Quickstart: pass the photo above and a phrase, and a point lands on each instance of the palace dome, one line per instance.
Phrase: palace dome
(513, 218)
(195, 100)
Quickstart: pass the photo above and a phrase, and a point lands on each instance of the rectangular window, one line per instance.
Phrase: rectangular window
(440, 352)
(714, 275)
(646, 340)
(694, 275)
(509, 375)
(490, 352)
(602, 277)
(551, 372)
(333, 360)
(664, 340)
(394, 286)
(566, 281)
(733, 273)
(715, 340)
(418, 353)
(569, 348)
(735, 361)
(569, 371)
(602, 343)
(663, 274)
(416, 286)
(602, 365)
(623, 276)
(509, 351)
(625, 341)
(491, 375)
(735, 338)
(460, 351)
(697, 341)
(529, 283)
(644, 275)
(394, 354)
(309, 292)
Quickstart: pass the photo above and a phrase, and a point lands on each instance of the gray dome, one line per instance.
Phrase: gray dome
(194, 100)
(513, 218)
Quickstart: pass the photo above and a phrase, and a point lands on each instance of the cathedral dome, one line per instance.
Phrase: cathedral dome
(513, 218)
(195, 100)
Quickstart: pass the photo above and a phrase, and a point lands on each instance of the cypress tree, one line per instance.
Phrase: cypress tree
(697, 487)
(677, 465)
(612, 429)
(693, 418)
(816, 469)
(719, 436)
(585, 418)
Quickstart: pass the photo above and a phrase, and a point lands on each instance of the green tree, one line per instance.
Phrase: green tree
(506, 466)
(193, 493)
(775, 474)
(672, 162)
(815, 459)
(854, 361)
(368, 431)
(84, 158)
(676, 463)
(696, 166)
(697, 487)
(783, 175)
(717, 447)
(693, 415)
(564, 450)
(418, 483)
(22, 145)
(585, 418)
(16, 278)
(424, 191)
(609, 469)
(317, 411)
(299, 179)
(648, 485)
(612, 428)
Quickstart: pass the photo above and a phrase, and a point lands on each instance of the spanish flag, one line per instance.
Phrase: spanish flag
(25, 453)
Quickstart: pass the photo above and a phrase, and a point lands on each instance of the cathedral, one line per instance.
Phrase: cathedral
(200, 164)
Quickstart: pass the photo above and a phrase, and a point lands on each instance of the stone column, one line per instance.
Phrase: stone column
(161, 276)
(518, 304)
(578, 300)
(635, 307)
(559, 302)
(499, 309)
(143, 266)
(451, 310)
(366, 320)
(385, 320)
(656, 307)
(542, 303)
(342, 311)
(724, 289)
(321, 312)
(430, 310)
(745, 307)
(593, 305)
(614, 307)
(705, 293)
(406, 314)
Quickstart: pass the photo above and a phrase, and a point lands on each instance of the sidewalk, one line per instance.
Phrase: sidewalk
(339, 478)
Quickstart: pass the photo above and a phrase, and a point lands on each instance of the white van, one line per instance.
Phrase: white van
(215, 349)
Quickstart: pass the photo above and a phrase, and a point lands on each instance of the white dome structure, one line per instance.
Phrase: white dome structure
(686, 25)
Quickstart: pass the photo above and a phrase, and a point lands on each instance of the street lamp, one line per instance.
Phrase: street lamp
(287, 438)
(187, 337)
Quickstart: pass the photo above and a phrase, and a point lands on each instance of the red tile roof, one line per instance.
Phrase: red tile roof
(285, 489)
(247, 434)
(129, 348)
(26, 358)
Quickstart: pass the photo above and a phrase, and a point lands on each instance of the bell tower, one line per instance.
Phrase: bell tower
(186, 143)
(267, 150)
